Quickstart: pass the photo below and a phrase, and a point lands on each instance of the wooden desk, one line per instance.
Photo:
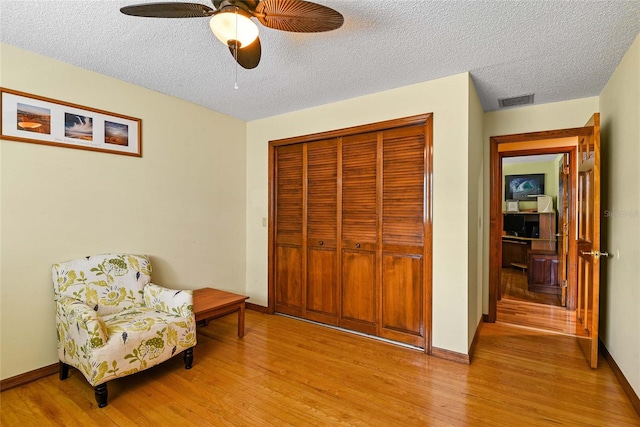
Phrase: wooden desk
(209, 303)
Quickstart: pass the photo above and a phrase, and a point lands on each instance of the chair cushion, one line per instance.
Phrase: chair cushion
(138, 338)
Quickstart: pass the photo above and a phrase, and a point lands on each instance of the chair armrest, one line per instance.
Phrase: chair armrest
(178, 302)
(84, 324)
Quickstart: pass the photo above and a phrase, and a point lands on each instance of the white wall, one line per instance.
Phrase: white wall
(183, 202)
(448, 99)
(475, 218)
(620, 203)
(557, 115)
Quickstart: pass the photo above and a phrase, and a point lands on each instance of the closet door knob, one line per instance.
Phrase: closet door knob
(321, 243)
(358, 245)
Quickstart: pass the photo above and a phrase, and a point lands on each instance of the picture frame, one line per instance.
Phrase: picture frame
(35, 119)
(523, 187)
(512, 206)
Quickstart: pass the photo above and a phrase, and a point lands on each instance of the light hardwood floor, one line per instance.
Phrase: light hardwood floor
(536, 310)
(515, 287)
(288, 372)
(544, 317)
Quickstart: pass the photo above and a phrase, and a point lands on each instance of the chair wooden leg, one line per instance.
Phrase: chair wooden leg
(188, 358)
(101, 395)
(63, 370)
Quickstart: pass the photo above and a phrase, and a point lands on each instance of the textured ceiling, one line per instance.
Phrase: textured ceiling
(558, 50)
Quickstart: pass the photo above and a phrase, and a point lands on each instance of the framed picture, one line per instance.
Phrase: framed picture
(523, 187)
(512, 206)
(39, 120)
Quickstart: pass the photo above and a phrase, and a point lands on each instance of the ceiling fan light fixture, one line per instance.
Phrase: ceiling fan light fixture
(223, 24)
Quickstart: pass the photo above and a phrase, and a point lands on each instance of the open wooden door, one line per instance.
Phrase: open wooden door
(589, 238)
(563, 227)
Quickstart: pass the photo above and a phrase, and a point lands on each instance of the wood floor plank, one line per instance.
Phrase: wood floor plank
(519, 306)
(287, 372)
(538, 316)
(515, 286)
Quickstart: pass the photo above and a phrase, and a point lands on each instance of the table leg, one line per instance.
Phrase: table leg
(241, 320)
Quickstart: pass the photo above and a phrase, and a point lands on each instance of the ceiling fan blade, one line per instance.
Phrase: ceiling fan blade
(168, 10)
(298, 16)
(248, 57)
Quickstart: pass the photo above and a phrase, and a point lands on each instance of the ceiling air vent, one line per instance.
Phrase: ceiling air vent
(516, 100)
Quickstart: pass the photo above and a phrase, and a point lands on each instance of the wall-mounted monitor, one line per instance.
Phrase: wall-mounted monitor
(523, 187)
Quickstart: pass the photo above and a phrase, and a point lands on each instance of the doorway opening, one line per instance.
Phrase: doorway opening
(533, 213)
(535, 290)
(534, 197)
(577, 245)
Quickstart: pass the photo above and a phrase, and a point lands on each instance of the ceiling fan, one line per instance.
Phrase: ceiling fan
(231, 20)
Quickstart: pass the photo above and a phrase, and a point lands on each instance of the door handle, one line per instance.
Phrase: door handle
(321, 243)
(595, 254)
(358, 245)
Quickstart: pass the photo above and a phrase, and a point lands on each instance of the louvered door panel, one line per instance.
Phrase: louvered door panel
(403, 187)
(288, 229)
(359, 222)
(289, 193)
(322, 217)
(359, 233)
(403, 201)
(322, 190)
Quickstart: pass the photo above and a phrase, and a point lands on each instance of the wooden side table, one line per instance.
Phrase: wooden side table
(209, 303)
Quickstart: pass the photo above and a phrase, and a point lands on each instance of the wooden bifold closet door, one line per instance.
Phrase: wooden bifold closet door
(403, 204)
(321, 225)
(359, 233)
(351, 229)
(289, 224)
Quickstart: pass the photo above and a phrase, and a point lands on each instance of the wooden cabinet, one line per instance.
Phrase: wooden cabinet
(546, 223)
(536, 251)
(539, 229)
(542, 272)
(349, 231)
(539, 235)
(514, 252)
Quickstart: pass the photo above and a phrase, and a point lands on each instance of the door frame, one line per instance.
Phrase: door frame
(422, 119)
(544, 142)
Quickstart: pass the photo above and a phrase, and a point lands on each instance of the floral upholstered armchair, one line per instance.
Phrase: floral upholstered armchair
(112, 321)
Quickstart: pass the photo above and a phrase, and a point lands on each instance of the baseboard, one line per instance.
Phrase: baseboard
(459, 357)
(28, 377)
(256, 307)
(631, 394)
(472, 347)
(453, 356)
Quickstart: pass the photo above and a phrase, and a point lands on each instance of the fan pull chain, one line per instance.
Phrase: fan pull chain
(235, 86)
